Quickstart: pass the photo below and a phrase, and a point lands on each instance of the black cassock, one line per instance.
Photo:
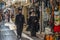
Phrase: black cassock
(33, 22)
(19, 21)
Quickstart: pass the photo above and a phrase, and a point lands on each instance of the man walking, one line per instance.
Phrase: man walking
(19, 21)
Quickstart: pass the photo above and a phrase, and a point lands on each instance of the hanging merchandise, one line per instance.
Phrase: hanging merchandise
(33, 1)
(56, 36)
(2, 5)
(49, 37)
(56, 22)
(48, 30)
(46, 17)
(59, 37)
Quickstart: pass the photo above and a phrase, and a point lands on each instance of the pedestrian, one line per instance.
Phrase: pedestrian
(19, 21)
(6, 16)
(33, 23)
(28, 22)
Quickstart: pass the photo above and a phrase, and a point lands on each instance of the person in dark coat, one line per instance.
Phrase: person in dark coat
(38, 15)
(33, 23)
(28, 28)
(19, 21)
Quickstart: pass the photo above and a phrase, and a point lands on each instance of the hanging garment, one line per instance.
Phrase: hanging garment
(49, 37)
(56, 37)
(57, 28)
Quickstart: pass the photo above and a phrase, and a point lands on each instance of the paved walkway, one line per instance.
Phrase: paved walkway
(8, 32)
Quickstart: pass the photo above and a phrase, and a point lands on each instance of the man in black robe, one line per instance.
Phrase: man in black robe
(33, 20)
(19, 21)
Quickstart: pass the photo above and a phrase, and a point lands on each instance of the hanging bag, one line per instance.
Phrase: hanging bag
(49, 37)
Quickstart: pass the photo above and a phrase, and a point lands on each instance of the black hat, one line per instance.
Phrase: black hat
(19, 8)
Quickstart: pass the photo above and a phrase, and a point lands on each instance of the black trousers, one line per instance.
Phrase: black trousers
(19, 30)
(33, 31)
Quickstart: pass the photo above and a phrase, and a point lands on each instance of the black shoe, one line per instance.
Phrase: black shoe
(18, 37)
